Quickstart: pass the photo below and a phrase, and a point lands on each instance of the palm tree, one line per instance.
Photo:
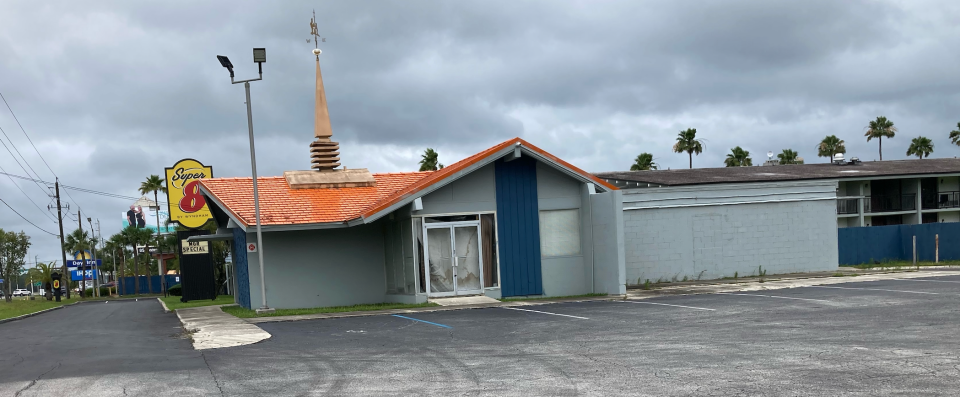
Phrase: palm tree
(738, 158)
(687, 142)
(429, 161)
(643, 162)
(78, 241)
(155, 184)
(789, 157)
(880, 128)
(920, 147)
(42, 273)
(830, 146)
(955, 135)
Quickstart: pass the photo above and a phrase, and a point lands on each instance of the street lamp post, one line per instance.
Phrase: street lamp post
(259, 56)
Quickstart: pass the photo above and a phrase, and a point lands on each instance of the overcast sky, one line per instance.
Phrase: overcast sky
(111, 92)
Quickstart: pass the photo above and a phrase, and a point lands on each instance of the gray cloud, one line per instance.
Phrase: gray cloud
(114, 91)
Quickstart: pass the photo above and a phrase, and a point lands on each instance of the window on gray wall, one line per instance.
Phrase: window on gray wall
(560, 232)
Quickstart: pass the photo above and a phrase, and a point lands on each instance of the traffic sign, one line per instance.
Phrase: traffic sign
(251, 247)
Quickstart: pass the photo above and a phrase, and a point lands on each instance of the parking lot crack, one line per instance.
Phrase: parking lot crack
(33, 382)
(212, 375)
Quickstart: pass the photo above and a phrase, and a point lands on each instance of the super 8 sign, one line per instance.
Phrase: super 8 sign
(184, 200)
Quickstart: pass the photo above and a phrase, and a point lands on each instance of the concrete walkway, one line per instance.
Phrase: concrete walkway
(211, 328)
(776, 282)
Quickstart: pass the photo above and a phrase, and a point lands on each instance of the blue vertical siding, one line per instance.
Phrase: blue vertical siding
(240, 267)
(518, 227)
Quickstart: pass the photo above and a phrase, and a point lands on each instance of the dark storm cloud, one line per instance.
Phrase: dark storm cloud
(114, 91)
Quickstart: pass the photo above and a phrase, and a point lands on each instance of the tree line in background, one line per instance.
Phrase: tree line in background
(687, 142)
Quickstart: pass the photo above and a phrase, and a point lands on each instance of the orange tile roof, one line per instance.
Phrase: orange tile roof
(280, 205)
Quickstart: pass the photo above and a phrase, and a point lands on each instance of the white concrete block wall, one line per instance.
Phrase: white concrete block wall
(715, 241)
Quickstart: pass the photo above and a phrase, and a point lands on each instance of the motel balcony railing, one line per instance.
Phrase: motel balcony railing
(940, 200)
(846, 206)
(890, 203)
(893, 203)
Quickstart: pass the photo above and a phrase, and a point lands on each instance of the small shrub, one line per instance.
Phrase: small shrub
(646, 284)
(175, 290)
(684, 278)
(701, 274)
(735, 275)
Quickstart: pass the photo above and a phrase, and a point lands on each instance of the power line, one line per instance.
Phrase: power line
(25, 134)
(15, 157)
(28, 221)
(3, 171)
(35, 149)
(79, 189)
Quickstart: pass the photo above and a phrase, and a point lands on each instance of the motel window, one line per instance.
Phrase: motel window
(560, 232)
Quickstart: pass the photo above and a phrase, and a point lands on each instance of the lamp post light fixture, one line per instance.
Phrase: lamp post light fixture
(259, 56)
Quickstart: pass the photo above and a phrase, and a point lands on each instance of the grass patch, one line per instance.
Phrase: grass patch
(19, 306)
(842, 274)
(173, 302)
(904, 264)
(551, 297)
(249, 313)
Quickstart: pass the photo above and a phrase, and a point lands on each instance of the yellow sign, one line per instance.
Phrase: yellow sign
(187, 205)
(56, 284)
(194, 247)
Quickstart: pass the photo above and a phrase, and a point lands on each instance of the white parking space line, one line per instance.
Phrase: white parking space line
(778, 297)
(875, 289)
(537, 311)
(929, 281)
(667, 304)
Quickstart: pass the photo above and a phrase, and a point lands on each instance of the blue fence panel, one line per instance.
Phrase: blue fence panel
(859, 245)
(127, 286)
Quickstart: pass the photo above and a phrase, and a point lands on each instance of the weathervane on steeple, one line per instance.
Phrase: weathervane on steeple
(316, 35)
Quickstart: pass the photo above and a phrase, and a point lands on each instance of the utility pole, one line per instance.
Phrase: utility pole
(83, 265)
(96, 286)
(63, 253)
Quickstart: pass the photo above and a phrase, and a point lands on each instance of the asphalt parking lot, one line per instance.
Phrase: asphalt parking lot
(895, 337)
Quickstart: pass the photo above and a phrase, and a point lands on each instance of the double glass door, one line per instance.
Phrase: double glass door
(453, 258)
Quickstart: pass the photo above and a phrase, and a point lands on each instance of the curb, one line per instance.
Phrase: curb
(165, 309)
(23, 316)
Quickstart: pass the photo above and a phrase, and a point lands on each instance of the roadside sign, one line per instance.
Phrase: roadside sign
(251, 247)
(87, 264)
(76, 275)
(194, 247)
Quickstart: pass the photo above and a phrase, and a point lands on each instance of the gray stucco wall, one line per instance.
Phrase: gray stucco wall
(712, 231)
(565, 275)
(475, 192)
(608, 242)
(314, 268)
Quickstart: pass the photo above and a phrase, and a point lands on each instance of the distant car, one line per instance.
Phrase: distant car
(109, 285)
(21, 292)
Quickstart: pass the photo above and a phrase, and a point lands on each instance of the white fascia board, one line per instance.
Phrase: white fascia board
(886, 177)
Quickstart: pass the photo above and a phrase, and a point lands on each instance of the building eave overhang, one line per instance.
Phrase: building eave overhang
(508, 150)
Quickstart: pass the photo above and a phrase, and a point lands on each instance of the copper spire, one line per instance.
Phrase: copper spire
(324, 153)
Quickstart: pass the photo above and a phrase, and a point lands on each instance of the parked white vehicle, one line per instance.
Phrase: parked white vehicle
(21, 292)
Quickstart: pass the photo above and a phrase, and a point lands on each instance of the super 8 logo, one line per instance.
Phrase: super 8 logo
(186, 203)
